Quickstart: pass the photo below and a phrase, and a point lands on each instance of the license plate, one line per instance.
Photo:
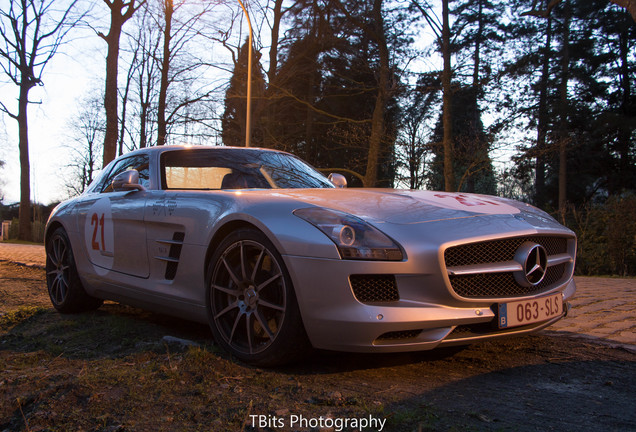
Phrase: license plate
(524, 312)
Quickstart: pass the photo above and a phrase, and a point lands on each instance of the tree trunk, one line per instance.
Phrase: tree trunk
(144, 98)
(477, 154)
(311, 151)
(478, 40)
(377, 121)
(110, 95)
(542, 120)
(117, 20)
(626, 164)
(267, 104)
(273, 50)
(122, 127)
(563, 96)
(162, 129)
(375, 141)
(142, 125)
(447, 140)
(90, 164)
(414, 161)
(25, 169)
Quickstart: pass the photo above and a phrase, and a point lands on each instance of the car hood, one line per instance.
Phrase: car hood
(408, 206)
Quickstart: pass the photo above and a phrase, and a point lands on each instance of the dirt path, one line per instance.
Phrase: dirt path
(113, 370)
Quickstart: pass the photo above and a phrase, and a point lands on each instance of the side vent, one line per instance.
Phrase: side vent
(174, 254)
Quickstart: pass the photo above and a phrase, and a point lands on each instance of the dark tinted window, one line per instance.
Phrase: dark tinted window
(204, 169)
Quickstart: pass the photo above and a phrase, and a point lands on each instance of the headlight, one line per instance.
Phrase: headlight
(355, 238)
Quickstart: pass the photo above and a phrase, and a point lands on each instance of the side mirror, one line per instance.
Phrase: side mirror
(127, 180)
(338, 180)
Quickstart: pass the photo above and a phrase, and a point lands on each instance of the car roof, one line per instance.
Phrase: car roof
(167, 148)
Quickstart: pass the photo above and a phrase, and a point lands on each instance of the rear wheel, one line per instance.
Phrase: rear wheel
(65, 288)
(252, 307)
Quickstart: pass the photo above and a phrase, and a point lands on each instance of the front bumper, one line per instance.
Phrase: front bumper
(426, 315)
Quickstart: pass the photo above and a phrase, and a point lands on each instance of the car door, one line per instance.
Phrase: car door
(178, 222)
(112, 224)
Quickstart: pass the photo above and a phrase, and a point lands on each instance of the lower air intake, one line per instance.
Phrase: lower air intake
(374, 288)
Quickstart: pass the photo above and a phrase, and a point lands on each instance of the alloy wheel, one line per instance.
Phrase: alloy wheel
(57, 269)
(248, 297)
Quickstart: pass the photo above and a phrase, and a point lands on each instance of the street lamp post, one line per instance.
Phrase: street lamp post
(248, 119)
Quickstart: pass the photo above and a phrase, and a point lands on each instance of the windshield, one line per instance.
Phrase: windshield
(231, 168)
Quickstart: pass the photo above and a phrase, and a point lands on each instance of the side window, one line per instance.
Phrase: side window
(139, 163)
(97, 183)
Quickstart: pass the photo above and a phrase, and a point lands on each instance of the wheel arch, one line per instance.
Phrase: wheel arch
(50, 229)
(294, 332)
(220, 234)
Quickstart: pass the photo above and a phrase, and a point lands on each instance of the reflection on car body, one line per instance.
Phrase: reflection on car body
(275, 259)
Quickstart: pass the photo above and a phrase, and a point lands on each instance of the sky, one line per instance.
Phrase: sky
(70, 75)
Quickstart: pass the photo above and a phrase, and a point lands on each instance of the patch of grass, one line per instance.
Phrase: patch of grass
(20, 315)
(83, 336)
(419, 418)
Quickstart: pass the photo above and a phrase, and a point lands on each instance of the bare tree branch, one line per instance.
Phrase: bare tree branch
(31, 32)
(542, 13)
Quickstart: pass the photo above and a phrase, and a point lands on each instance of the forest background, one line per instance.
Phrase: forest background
(527, 99)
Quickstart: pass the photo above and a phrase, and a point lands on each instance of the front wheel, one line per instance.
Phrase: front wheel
(252, 307)
(64, 285)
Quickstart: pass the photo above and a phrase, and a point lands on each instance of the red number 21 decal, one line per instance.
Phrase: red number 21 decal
(98, 226)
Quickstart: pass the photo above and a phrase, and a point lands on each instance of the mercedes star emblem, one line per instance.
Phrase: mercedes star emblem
(534, 261)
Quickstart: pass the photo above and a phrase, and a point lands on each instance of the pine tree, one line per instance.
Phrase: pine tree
(472, 164)
(328, 85)
(582, 97)
(234, 117)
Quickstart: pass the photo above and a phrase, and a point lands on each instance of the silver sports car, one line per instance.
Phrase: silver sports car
(277, 259)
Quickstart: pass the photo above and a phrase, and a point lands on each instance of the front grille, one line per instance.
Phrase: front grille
(374, 288)
(500, 250)
(503, 284)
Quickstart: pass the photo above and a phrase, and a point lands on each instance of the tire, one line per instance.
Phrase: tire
(252, 307)
(65, 288)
